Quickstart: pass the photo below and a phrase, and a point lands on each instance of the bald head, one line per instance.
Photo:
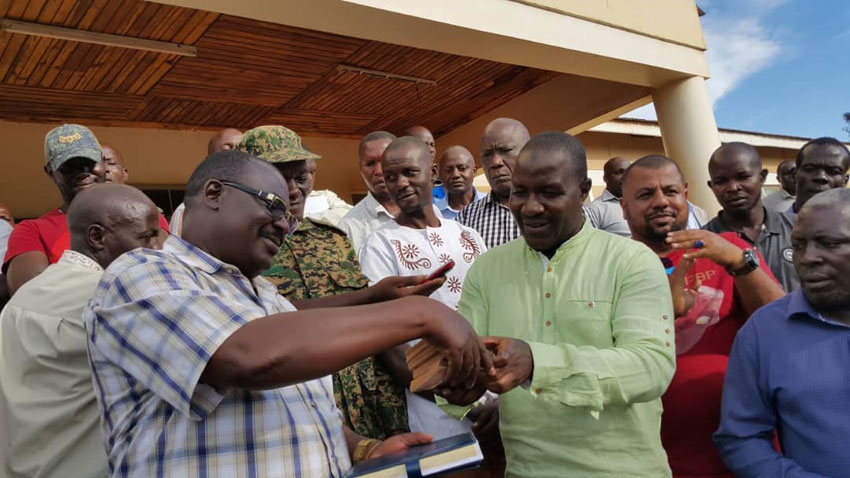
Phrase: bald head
(115, 172)
(108, 220)
(406, 166)
(502, 127)
(224, 140)
(408, 146)
(737, 178)
(500, 145)
(786, 173)
(456, 170)
(612, 174)
(735, 153)
(424, 134)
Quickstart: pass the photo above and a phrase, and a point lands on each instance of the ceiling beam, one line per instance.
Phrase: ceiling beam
(84, 36)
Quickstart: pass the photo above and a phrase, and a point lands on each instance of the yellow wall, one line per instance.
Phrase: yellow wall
(680, 25)
(154, 157)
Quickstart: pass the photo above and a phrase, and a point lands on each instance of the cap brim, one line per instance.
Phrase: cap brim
(289, 156)
(93, 154)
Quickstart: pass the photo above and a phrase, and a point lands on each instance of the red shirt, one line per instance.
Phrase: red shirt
(704, 339)
(48, 234)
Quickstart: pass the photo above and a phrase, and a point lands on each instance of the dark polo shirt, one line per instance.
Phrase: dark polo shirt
(774, 244)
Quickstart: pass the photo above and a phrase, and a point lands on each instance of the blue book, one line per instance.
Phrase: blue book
(449, 454)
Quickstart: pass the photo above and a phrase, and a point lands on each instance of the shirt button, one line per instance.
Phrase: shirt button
(668, 344)
(590, 304)
(312, 404)
(549, 269)
(548, 323)
(664, 317)
(666, 331)
(548, 295)
(538, 391)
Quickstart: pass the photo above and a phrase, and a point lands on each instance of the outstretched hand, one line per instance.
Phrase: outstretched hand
(466, 355)
(396, 287)
(514, 363)
(400, 442)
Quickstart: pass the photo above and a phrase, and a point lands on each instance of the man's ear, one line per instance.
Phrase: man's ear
(763, 175)
(707, 183)
(95, 235)
(435, 171)
(685, 190)
(846, 178)
(212, 193)
(584, 187)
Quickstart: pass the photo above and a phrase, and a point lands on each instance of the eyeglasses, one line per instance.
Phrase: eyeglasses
(275, 206)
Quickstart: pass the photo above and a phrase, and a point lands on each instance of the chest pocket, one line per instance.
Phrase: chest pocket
(347, 279)
(584, 322)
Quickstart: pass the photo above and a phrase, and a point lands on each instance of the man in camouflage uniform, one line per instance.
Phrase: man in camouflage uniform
(318, 260)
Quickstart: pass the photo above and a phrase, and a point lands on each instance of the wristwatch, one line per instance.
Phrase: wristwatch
(751, 263)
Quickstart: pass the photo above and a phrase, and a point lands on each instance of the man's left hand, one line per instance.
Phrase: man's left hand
(396, 287)
(513, 362)
(400, 442)
(709, 245)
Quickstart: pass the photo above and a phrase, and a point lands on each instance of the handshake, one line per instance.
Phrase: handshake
(506, 363)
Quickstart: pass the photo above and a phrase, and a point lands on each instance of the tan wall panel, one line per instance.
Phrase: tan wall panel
(680, 20)
(154, 157)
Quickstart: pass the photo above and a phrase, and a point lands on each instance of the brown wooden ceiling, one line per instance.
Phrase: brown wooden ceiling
(246, 73)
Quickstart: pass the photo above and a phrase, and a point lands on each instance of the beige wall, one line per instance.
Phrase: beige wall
(681, 23)
(154, 157)
(603, 146)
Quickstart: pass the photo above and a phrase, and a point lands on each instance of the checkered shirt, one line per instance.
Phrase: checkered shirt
(153, 324)
(492, 220)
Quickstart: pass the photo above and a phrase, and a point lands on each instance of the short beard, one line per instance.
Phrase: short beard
(657, 236)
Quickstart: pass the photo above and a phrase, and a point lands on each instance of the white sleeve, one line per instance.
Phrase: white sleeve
(377, 259)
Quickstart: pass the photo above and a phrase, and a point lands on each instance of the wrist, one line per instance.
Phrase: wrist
(748, 263)
(364, 449)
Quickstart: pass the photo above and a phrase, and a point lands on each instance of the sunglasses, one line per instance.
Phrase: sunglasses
(275, 206)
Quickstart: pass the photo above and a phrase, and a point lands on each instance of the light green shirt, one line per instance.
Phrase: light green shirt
(599, 320)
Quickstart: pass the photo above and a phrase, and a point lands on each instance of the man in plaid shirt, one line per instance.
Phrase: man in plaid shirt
(201, 368)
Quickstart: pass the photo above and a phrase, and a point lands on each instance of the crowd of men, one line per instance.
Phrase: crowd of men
(263, 331)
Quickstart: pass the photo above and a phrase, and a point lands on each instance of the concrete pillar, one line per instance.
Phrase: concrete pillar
(689, 134)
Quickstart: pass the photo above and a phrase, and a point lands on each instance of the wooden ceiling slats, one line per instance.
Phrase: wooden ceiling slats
(90, 14)
(246, 73)
(56, 68)
(25, 68)
(33, 10)
(108, 18)
(62, 105)
(190, 36)
(53, 50)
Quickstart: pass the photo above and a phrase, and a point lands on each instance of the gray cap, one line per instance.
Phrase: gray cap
(70, 141)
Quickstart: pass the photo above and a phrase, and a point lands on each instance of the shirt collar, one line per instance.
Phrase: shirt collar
(79, 259)
(609, 196)
(443, 202)
(578, 238)
(490, 197)
(374, 206)
(192, 255)
(770, 223)
(799, 306)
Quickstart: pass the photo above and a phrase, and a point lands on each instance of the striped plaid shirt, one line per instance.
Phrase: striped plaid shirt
(153, 324)
(492, 220)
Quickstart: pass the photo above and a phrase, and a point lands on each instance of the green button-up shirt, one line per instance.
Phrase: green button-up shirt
(599, 320)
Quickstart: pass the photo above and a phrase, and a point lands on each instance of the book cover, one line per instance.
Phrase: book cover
(452, 453)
